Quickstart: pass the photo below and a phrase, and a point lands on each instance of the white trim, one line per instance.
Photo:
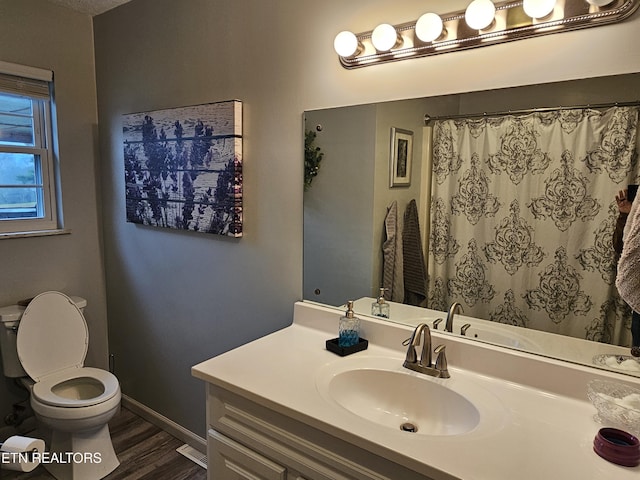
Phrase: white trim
(35, 233)
(26, 71)
(165, 424)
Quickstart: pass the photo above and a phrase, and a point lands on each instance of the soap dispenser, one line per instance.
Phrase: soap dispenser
(380, 308)
(349, 328)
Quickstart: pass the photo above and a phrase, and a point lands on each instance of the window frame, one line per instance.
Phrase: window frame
(43, 131)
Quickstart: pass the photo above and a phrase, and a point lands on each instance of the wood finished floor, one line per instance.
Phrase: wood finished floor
(145, 452)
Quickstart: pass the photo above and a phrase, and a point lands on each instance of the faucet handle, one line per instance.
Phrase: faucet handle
(436, 322)
(464, 328)
(441, 361)
(412, 355)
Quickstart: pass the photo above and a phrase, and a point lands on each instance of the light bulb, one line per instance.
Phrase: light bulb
(538, 8)
(429, 27)
(599, 3)
(480, 14)
(346, 44)
(384, 37)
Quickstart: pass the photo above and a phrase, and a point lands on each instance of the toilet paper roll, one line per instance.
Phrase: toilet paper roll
(17, 453)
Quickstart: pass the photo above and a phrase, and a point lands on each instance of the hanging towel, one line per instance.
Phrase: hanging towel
(628, 277)
(392, 278)
(415, 271)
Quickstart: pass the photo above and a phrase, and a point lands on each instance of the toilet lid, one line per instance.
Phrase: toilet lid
(52, 335)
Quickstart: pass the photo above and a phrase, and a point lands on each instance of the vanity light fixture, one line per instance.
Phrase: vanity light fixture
(482, 23)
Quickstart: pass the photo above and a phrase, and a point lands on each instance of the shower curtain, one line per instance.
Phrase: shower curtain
(522, 217)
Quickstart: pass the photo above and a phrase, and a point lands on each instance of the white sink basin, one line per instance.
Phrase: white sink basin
(403, 401)
(381, 391)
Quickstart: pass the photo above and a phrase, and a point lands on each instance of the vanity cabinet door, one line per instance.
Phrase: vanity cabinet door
(231, 461)
(247, 440)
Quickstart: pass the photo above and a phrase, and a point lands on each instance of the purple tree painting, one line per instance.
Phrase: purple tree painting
(183, 168)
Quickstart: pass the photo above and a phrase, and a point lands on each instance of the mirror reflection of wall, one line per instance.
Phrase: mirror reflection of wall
(346, 206)
(346, 203)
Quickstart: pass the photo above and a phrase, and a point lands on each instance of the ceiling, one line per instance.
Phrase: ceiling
(91, 7)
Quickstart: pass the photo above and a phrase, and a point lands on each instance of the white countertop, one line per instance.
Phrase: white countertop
(525, 432)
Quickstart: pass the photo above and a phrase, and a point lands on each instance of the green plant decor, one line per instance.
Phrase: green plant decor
(312, 158)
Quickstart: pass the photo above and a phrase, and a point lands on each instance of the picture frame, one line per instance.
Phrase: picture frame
(401, 157)
(183, 168)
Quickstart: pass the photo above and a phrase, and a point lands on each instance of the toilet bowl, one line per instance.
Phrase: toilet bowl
(73, 402)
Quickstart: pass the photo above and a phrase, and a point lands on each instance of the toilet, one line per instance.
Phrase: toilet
(45, 345)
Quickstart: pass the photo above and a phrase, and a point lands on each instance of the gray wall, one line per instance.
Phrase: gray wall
(338, 208)
(39, 34)
(407, 115)
(347, 202)
(177, 298)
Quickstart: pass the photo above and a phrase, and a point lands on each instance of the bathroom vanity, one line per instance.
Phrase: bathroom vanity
(284, 407)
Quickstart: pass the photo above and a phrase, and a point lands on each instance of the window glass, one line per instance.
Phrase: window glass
(21, 191)
(16, 120)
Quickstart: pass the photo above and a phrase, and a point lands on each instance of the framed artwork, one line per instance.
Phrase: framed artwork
(183, 168)
(401, 157)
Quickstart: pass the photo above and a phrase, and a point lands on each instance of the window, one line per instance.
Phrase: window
(27, 174)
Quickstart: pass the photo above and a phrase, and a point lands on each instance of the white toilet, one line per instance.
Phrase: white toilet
(48, 341)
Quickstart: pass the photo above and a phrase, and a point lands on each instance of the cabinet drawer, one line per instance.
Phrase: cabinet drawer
(233, 461)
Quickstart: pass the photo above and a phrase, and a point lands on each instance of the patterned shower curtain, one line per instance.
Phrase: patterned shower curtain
(522, 217)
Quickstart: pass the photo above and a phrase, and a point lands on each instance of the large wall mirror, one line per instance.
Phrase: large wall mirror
(504, 202)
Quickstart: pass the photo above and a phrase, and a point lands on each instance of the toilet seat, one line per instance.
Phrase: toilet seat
(78, 387)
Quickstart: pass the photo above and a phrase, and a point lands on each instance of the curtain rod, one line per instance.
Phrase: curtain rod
(428, 118)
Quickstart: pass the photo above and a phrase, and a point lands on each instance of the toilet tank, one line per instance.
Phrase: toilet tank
(9, 324)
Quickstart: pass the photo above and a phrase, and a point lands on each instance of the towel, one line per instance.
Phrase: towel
(628, 277)
(415, 270)
(392, 280)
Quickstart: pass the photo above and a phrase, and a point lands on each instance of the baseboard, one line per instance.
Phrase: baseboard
(166, 424)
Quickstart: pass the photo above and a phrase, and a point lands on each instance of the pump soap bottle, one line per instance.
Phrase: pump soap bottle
(380, 308)
(348, 328)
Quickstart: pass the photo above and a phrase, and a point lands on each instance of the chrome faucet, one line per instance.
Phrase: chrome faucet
(424, 363)
(455, 308)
